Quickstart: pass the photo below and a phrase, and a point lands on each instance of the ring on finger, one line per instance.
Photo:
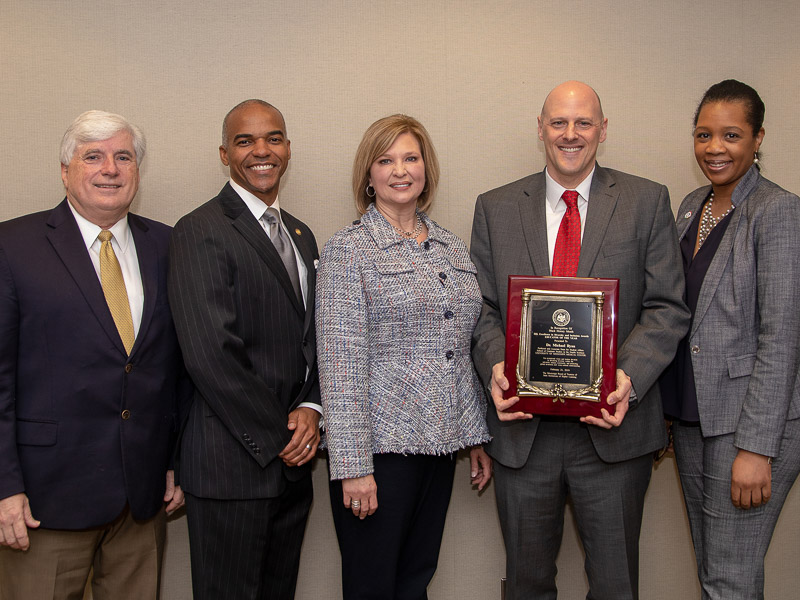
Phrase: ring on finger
(308, 446)
(356, 504)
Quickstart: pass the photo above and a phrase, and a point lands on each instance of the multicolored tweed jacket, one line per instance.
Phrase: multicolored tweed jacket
(394, 325)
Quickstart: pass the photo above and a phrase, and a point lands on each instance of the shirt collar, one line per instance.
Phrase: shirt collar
(89, 231)
(554, 190)
(254, 204)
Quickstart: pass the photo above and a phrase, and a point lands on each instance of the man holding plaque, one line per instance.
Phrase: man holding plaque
(577, 219)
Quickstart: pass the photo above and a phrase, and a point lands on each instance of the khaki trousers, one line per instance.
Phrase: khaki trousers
(125, 556)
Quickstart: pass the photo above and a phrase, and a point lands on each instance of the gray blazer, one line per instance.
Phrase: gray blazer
(629, 235)
(745, 334)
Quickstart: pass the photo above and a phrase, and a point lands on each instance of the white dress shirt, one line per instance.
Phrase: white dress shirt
(125, 251)
(556, 208)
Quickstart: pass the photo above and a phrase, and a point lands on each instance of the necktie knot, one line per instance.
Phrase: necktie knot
(104, 236)
(272, 219)
(570, 197)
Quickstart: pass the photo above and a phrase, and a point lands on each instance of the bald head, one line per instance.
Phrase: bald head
(572, 127)
(243, 105)
(576, 91)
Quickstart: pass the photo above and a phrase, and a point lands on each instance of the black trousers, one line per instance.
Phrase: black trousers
(248, 549)
(392, 555)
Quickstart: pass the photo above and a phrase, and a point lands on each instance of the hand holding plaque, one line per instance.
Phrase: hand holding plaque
(561, 346)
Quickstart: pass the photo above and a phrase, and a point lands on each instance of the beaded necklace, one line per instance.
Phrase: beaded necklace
(708, 221)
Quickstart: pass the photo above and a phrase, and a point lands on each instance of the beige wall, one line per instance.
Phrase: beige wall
(476, 73)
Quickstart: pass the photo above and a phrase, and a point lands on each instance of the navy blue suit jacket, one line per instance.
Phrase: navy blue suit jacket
(66, 380)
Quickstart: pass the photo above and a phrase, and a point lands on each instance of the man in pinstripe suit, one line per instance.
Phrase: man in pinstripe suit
(242, 289)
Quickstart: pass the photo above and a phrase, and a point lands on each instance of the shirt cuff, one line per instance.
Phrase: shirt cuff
(317, 408)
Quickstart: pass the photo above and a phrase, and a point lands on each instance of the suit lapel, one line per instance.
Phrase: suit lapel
(602, 202)
(247, 226)
(65, 237)
(717, 267)
(690, 210)
(148, 269)
(534, 223)
(307, 253)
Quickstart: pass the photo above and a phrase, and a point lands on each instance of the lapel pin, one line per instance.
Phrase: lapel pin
(297, 231)
(687, 215)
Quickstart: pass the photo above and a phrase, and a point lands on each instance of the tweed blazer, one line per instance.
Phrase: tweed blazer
(745, 334)
(394, 324)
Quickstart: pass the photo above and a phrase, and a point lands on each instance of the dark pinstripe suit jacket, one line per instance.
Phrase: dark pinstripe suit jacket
(248, 344)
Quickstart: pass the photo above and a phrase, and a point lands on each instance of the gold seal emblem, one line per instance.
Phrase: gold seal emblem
(561, 318)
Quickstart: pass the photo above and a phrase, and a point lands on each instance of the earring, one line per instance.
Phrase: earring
(369, 187)
(755, 158)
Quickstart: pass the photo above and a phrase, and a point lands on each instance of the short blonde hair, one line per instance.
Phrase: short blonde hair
(378, 138)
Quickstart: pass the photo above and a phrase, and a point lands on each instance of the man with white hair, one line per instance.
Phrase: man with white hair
(91, 380)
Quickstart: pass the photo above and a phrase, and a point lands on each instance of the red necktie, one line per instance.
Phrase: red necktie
(568, 242)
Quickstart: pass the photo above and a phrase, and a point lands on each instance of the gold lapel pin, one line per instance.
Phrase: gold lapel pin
(297, 231)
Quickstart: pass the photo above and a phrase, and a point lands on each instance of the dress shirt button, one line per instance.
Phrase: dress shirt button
(357, 222)
(245, 436)
(695, 349)
(128, 368)
(426, 244)
(448, 314)
(442, 275)
(449, 354)
(126, 414)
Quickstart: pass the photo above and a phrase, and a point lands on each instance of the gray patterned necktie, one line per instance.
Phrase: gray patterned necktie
(284, 247)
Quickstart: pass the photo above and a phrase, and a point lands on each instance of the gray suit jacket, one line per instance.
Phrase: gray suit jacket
(745, 334)
(628, 235)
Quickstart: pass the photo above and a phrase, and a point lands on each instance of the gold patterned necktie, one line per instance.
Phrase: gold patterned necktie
(114, 290)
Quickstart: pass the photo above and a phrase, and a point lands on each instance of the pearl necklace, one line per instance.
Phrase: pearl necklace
(708, 221)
